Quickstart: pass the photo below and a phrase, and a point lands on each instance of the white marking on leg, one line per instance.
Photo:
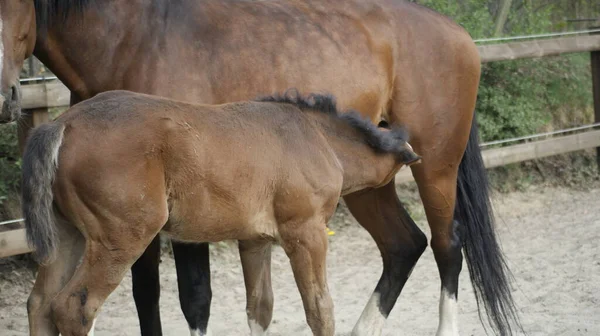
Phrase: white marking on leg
(448, 315)
(197, 332)
(256, 329)
(91, 332)
(371, 320)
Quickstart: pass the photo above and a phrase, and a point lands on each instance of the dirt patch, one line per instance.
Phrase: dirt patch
(550, 237)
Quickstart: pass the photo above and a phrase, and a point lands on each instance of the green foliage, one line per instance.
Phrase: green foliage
(527, 96)
(504, 105)
(524, 97)
(10, 163)
(473, 15)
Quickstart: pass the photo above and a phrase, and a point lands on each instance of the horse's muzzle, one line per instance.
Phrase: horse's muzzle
(415, 161)
(410, 157)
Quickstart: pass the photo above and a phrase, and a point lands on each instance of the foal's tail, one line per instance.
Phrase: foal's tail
(40, 161)
(487, 267)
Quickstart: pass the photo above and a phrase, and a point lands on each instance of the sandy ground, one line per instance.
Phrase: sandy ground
(551, 238)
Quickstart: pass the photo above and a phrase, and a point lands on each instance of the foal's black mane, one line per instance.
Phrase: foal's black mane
(381, 141)
(48, 12)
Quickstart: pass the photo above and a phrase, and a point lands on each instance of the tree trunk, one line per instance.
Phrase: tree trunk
(503, 11)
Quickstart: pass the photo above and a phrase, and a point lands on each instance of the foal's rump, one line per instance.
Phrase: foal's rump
(90, 169)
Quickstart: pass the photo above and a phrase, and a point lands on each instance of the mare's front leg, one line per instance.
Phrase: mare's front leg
(306, 246)
(256, 264)
(192, 262)
(400, 242)
(146, 289)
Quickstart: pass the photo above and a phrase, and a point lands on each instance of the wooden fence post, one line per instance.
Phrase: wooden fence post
(595, 59)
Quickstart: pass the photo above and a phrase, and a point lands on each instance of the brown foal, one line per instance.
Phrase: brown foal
(112, 172)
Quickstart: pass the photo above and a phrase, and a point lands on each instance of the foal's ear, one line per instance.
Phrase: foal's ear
(409, 157)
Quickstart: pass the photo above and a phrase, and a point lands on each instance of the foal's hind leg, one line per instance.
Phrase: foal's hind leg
(306, 246)
(400, 242)
(103, 267)
(256, 264)
(52, 278)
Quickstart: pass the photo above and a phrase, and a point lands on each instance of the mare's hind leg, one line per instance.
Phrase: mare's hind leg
(52, 278)
(192, 262)
(438, 192)
(256, 264)
(146, 289)
(400, 242)
(306, 246)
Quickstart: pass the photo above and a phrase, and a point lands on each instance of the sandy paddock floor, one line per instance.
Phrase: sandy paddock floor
(551, 238)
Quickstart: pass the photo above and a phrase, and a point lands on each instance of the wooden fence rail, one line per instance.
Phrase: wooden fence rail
(13, 242)
(45, 95)
(39, 97)
(528, 151)
(538, 48)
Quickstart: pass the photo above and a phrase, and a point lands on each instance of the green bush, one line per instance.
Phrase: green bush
(10, 163)
(524, 97)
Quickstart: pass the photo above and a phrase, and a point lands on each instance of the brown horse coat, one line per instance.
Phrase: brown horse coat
(130, 165)
(390, 59)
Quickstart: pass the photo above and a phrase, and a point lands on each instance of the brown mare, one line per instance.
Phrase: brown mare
(392, 60)
(116, 169)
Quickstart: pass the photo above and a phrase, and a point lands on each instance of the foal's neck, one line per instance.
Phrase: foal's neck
(363, 167)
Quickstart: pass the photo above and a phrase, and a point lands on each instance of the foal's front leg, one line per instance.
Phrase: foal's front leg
(306, 246)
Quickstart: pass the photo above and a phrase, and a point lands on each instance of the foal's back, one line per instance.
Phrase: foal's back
(231, 171)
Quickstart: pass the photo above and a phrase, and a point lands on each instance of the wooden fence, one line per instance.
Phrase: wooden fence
(13, 242)
(39, 97)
